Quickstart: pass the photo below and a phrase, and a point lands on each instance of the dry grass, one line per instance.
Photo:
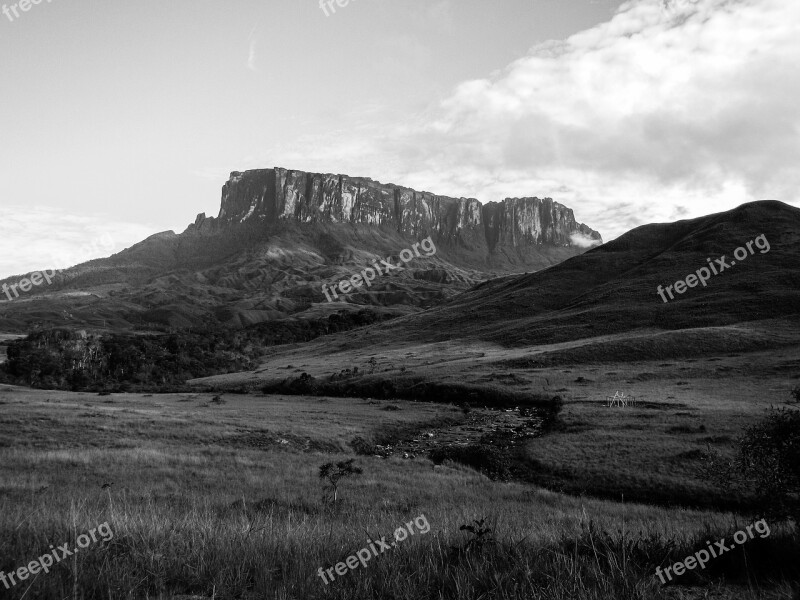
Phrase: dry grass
(198, 509)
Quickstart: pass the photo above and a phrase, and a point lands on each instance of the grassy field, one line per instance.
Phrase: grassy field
(221, 499)
(649, 453)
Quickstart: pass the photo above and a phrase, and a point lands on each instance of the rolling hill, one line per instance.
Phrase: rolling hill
(601, 306)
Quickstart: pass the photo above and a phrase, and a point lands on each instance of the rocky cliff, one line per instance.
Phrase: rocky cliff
(270, 195)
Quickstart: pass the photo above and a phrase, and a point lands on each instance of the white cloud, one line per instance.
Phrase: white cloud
(582, 241)
(251, 53)
(55, 238)
(663, 112)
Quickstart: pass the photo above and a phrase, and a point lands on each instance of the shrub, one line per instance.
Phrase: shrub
(485, 458)
(550, 411)
(770, 459)
(481, 536)
(305, 384)
(362, 447)
(766, 466)
(420, 390)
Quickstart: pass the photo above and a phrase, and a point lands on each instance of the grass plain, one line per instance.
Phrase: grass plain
(221, 499)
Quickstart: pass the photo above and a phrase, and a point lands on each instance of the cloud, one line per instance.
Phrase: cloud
(216, 174)
(676, 109)
(57, 239)
(582, 241)
(251, 55)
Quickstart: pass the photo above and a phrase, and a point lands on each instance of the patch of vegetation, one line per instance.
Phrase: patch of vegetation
(756, 561)
(613, 486)
(420, 390)
(481, 536)
(362, 447)
(716, 439)
(493, 462)
(694, 454)
(332, 474)
(249, 524)
(69, 360)
(681, 429)
(767, 465)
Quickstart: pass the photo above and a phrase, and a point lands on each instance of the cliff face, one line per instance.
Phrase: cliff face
(270, 195)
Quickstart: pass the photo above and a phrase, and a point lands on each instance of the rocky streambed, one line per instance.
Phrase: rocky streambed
(502, 429)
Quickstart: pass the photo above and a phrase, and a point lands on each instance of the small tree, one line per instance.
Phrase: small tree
(333, 473)
(482, 535)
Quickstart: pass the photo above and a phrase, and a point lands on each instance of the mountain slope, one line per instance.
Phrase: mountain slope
(613, 288)
(602, 305)
(280, 235)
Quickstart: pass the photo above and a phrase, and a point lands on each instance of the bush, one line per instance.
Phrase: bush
(362, 447)
(420, 390)
(304, 385)
(550, 411)
(766, 467)
(769, 459)
(485, 458)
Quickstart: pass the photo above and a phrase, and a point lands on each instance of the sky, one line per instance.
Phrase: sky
(123, 119)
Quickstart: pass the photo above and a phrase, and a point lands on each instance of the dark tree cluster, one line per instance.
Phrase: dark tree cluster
(75, 360)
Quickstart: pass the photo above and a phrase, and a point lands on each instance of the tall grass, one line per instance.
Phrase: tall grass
(197, 510)
(273, 550)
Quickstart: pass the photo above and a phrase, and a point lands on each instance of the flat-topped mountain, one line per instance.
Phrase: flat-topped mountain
(514, 225)
(281, 235)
